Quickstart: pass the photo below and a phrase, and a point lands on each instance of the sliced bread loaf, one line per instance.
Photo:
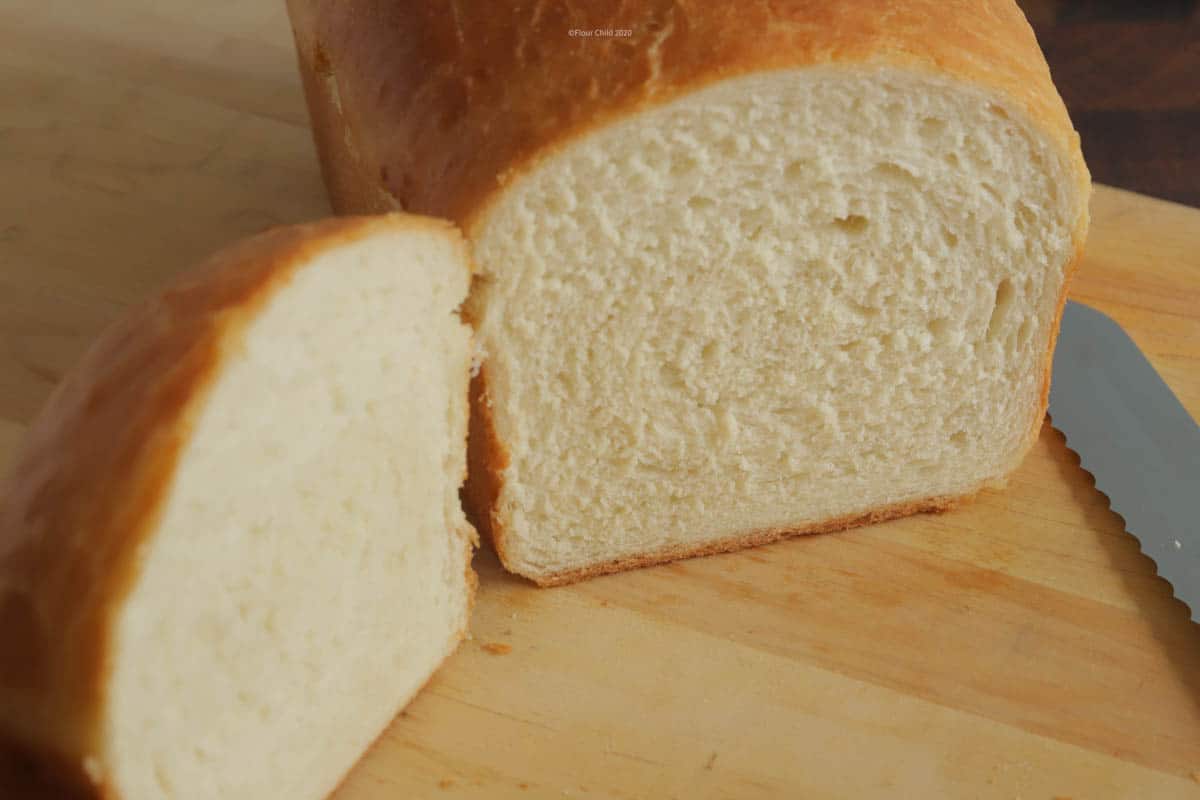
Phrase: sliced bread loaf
(233, 547)
(746, 269)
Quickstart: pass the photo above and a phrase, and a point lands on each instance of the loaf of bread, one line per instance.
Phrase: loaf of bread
(746, 270)
(233, 546)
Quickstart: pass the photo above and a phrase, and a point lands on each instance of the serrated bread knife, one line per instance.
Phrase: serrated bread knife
(1136, 439)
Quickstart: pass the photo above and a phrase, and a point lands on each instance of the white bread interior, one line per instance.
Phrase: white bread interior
(309, 569)
(783, 300)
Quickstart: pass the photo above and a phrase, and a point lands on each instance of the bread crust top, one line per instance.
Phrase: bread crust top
(439, 106)
(89, 483)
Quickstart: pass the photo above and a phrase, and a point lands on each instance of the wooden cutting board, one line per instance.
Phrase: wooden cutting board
(1019, 647)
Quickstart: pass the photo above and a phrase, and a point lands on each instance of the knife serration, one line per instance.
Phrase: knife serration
(1135, 438)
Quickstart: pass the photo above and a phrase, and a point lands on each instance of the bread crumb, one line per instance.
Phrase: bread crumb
(522, 785)
(711, 760)
(497, 648)
(445, 783)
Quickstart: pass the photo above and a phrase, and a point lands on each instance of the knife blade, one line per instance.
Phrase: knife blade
(1135, 437)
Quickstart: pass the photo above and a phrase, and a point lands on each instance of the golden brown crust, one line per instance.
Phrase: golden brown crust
(88, 484)
(1048, 360)
(437, 110)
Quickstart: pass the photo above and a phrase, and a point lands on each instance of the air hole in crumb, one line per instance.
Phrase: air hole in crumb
(164, 783)
(951, 158)
(927, 468)
(1025, 332)
(754, 219)
(997, 110)
(894, 171)
(863, 312)
(1026, 218)
(671, 376)
(939, 327)
(794, 171)
(684, 165)
(1000, 308)
(931, 127)
(950, 237)
(561, 378)
(851, 223)
(698, 203)
(959, 439)
(728, 147)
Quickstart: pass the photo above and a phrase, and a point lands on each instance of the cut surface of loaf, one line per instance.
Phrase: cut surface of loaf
(753, 271)
(717, 320)
(233, 547)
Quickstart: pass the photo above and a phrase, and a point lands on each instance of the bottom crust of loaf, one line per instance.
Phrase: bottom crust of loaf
(755, 538)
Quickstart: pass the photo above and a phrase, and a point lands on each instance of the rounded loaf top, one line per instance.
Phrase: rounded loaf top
(440, 106)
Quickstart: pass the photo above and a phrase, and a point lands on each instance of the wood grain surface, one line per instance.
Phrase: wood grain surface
(1019, 647)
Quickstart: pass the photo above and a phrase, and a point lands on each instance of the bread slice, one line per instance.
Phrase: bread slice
(744, 273)
(233, 548)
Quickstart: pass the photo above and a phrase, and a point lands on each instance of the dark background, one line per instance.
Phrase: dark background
(1129, 72)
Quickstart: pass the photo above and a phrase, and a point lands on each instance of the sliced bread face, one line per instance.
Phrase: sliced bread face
(787, 302)
(756, 269)
(271, 558)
